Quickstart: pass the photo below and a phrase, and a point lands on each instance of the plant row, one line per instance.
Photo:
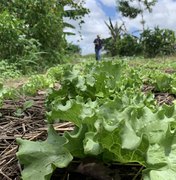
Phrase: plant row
(114, 122)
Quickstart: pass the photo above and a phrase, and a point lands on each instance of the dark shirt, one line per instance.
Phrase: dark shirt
(98, 43)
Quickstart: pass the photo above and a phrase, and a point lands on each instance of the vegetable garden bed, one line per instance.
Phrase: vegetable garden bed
(95, 115)
(31, 125)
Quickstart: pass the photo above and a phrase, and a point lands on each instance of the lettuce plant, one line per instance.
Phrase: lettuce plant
(113, 121)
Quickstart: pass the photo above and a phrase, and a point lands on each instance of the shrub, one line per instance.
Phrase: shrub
(158, 42)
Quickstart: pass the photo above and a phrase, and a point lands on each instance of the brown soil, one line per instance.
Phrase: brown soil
(15, 83)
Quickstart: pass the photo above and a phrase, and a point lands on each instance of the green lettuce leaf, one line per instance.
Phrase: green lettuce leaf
(161, 159)
(40, 159)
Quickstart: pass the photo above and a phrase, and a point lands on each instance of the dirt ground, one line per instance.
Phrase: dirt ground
(15, 83)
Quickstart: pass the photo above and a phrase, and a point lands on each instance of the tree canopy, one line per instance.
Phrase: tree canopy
(38, 22)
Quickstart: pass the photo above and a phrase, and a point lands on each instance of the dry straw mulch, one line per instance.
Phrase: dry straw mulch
(29, 125)
(161, 97)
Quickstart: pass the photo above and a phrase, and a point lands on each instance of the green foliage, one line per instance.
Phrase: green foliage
(111, 45)
(127, 10)
(45, 156)
(20, 111)
(163, 82)
(126, 45)
(8, 70)
(121, 43)
(55, 72)
(32, 85)
(17, 47)
(73, 49)
(1, 94)
(129, 46)
(42, 21)
(158, 42)
(42, 81)
(154, 42)
(37, 82)
(113, 120)
(32, 30)
(11, 35)
(151, 43)
(133, 8)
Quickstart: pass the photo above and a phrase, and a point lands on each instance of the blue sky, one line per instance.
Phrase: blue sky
(164, 16)
(108, 10)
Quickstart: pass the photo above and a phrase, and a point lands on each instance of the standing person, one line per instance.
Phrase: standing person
(98, 47)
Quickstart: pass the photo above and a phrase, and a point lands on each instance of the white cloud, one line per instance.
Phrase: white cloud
(164, 15)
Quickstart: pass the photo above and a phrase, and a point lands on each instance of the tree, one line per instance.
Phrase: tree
(158, 42)
(121, 42)
(132, 8)
(43, 21)
(129, 45)
(73, 49)
(111, 44)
